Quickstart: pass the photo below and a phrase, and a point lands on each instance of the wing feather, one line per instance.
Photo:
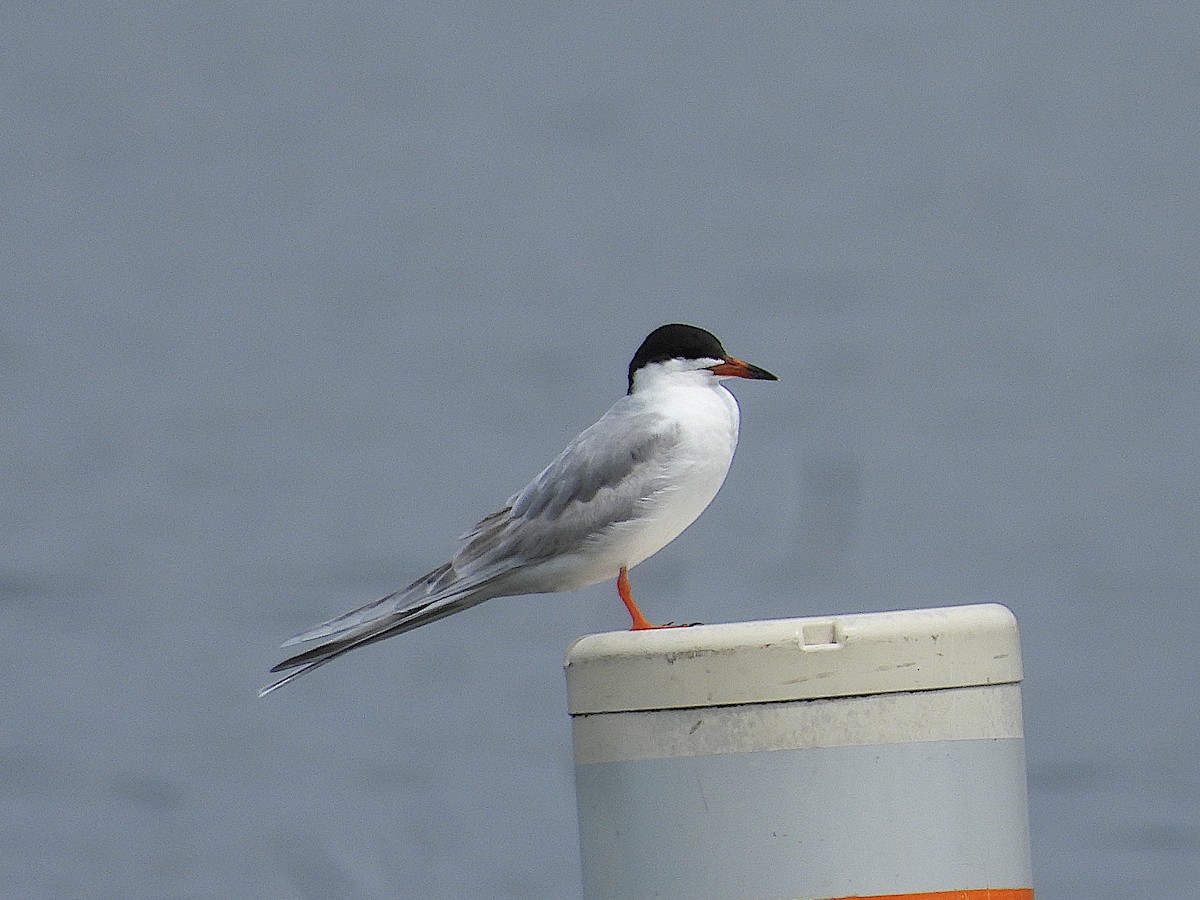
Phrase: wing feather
(601, 481)
(597, 482)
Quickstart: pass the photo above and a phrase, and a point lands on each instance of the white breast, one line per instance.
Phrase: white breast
(706, 416)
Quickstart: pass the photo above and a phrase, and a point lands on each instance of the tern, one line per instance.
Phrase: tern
(622, 490)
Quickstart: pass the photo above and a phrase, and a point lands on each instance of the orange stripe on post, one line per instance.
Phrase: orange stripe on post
(984, 894)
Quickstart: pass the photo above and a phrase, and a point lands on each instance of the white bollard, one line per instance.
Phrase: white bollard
(856, 756)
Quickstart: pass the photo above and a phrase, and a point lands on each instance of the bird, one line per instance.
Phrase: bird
(620, 491)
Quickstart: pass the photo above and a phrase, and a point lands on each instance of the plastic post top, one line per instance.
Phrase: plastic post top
(793, 659)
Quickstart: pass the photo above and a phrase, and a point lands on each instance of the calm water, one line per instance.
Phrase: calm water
(293, 296)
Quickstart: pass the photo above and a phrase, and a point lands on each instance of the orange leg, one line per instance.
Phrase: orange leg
(640, 622)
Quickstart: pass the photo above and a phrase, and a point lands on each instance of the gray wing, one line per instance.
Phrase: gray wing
(599, 481)
(602, 479)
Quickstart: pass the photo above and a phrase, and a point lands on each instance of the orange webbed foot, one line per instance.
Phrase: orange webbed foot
(640, 622)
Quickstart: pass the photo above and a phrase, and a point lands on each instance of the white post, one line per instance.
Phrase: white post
(865, 756)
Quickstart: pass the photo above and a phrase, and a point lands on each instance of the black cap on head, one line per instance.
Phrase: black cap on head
(676, 342)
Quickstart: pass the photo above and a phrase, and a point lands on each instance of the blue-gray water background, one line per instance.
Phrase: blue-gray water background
(293, 294)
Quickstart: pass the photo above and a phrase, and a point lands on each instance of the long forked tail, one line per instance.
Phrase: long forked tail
(392, 615)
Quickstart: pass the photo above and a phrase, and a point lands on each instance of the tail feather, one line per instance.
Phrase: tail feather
(373, 611)
(406, 620)
(441, 593)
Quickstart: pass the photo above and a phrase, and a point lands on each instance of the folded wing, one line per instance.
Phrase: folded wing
(598, 482)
